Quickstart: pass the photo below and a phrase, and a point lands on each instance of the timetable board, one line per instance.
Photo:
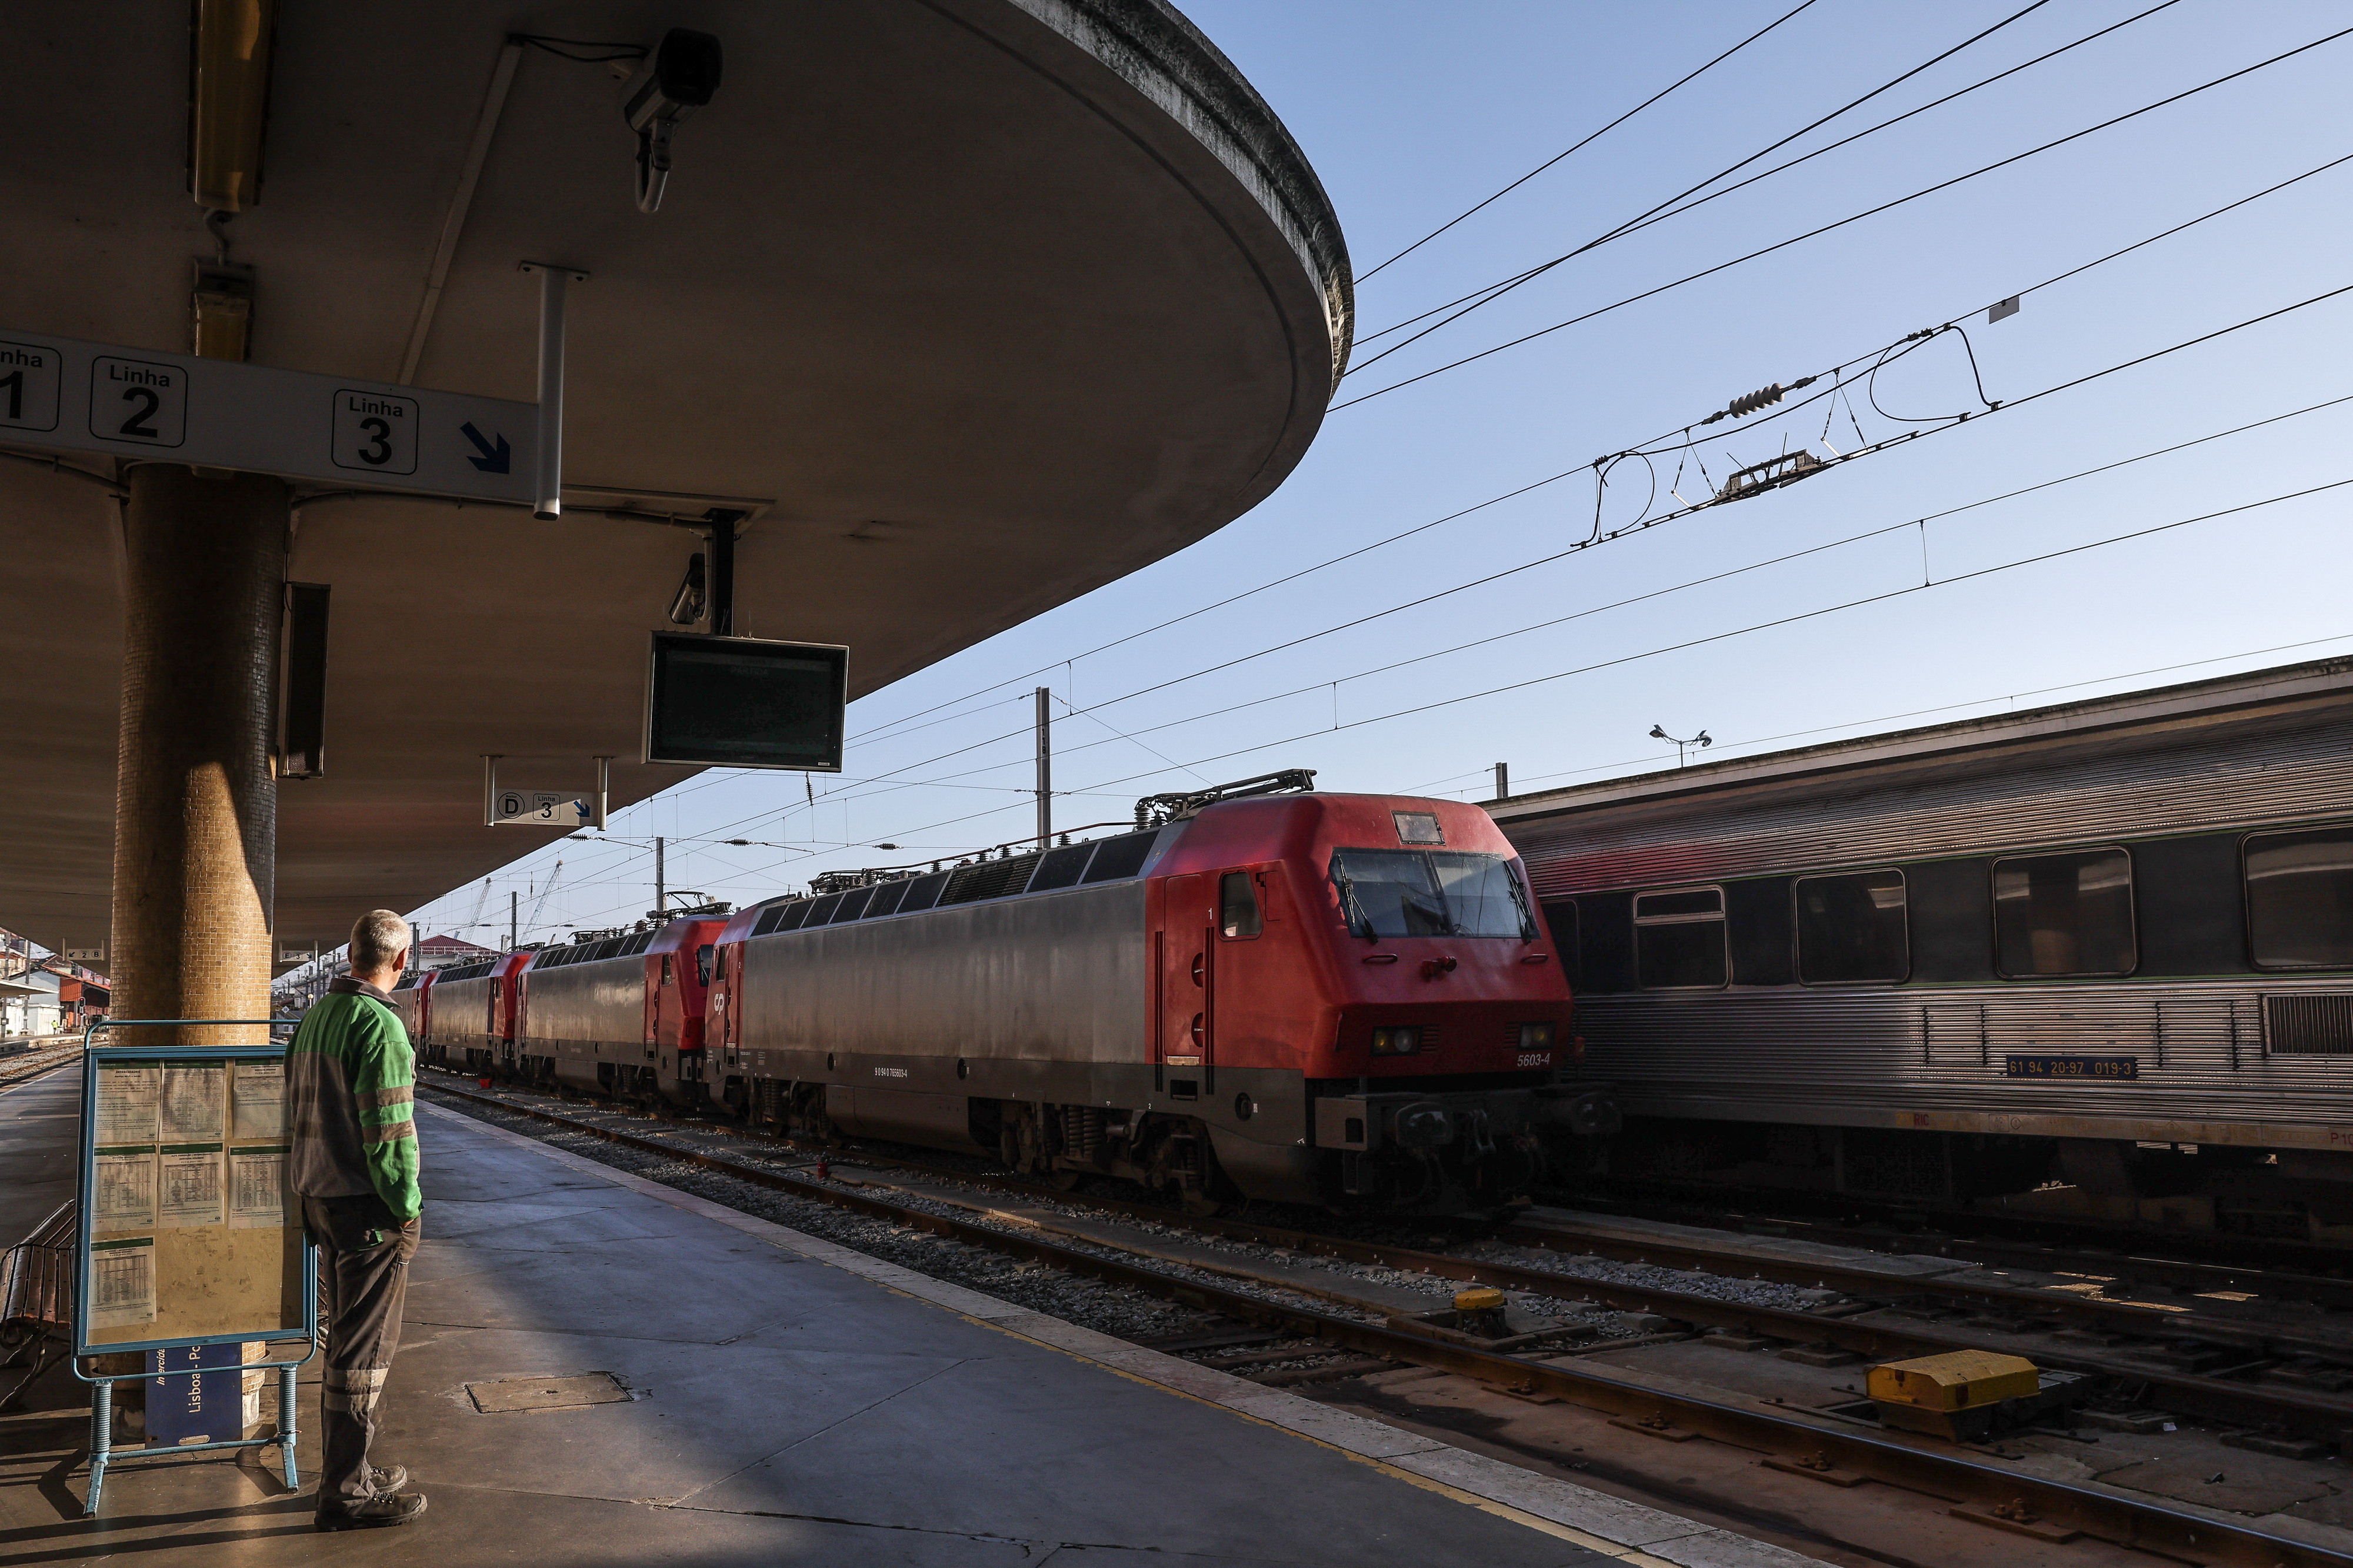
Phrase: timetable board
(188, 1234)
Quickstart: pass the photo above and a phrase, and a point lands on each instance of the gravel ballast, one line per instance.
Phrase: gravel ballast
(1124, 1310)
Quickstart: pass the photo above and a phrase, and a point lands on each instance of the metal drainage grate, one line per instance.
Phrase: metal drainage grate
(548, 1393)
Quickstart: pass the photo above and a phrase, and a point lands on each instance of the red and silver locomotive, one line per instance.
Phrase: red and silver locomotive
(464, 1017)
(1303, 997)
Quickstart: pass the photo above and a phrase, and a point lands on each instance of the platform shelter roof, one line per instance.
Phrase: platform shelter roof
(969, 306)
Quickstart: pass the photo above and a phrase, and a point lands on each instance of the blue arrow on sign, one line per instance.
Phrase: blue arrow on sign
(493, 459)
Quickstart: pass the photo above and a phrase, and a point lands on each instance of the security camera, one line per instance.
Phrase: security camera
(678, 78)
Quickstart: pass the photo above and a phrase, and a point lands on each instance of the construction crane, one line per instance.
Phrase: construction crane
(540, 905)
(482, 901)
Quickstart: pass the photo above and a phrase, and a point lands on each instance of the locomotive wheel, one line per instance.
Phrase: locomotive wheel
(1021, 1144)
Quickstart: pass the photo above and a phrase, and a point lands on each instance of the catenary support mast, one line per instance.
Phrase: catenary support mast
(1045, 768)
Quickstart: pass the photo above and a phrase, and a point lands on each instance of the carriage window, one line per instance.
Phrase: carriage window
(1851, 929)
(1679, 939)
(2300, 898)
(2064, 914)
(702, 963)
(1237, 905)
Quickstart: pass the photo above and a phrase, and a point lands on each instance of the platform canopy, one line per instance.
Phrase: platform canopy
(969, 305)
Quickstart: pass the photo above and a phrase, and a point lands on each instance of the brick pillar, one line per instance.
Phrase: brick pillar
(196, 812)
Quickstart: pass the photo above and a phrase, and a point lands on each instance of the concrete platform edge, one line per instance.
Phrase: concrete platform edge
(1635, 1535)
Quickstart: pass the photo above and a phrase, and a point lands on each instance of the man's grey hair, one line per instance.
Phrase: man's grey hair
(377, 936)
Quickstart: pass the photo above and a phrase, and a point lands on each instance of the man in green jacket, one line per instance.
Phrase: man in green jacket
(350, 1082)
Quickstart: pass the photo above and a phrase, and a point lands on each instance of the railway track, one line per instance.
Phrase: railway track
(2188, 1260)
(2128, 1257)
(2252, 1345)
(32, 1064)
(1822, 1443)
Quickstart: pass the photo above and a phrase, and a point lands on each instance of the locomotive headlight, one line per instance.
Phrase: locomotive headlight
(1396, 1041)
(1535, 1037)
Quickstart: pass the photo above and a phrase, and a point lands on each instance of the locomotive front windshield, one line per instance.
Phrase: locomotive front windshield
(1430, 892)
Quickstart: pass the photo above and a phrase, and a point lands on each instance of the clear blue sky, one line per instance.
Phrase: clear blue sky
(1412, 113)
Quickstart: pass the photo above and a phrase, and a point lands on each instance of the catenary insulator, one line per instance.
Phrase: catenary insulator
(1763, 397)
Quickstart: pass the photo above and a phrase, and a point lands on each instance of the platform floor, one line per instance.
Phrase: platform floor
(789, 1402)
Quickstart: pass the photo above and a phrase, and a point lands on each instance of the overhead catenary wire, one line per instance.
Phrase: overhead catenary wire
(894, 727)
(1922, 712)
(1708, 579)
(1495, 292)
(1587, 140)
(1686, 203)
(1839, 224)
(1390, 667)
(1579, 547)
(1687, 644)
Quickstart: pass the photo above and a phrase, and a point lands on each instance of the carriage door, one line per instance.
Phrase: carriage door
(1188, 986)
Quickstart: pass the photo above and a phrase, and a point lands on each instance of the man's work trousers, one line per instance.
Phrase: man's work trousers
(364, 1255)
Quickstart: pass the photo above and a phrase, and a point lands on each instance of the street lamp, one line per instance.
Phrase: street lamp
(1658, 732)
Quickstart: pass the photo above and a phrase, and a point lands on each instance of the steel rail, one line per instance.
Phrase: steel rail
(2214, 1398)
(2103, 1248)
(2129, 1521)
(2224, 1248)
(2016, 1300)
(2311, 1415)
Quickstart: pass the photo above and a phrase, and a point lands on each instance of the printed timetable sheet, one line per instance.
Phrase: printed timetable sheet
(194, 1102)
(126, 1104)
(258, 1105)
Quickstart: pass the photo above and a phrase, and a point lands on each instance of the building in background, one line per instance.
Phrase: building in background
(38, 991)
(441, 951)
(83, 999)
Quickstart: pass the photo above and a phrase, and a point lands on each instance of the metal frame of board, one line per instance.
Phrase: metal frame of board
(102, 1406)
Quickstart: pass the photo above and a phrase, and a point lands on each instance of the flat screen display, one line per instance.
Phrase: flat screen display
(745, 702)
